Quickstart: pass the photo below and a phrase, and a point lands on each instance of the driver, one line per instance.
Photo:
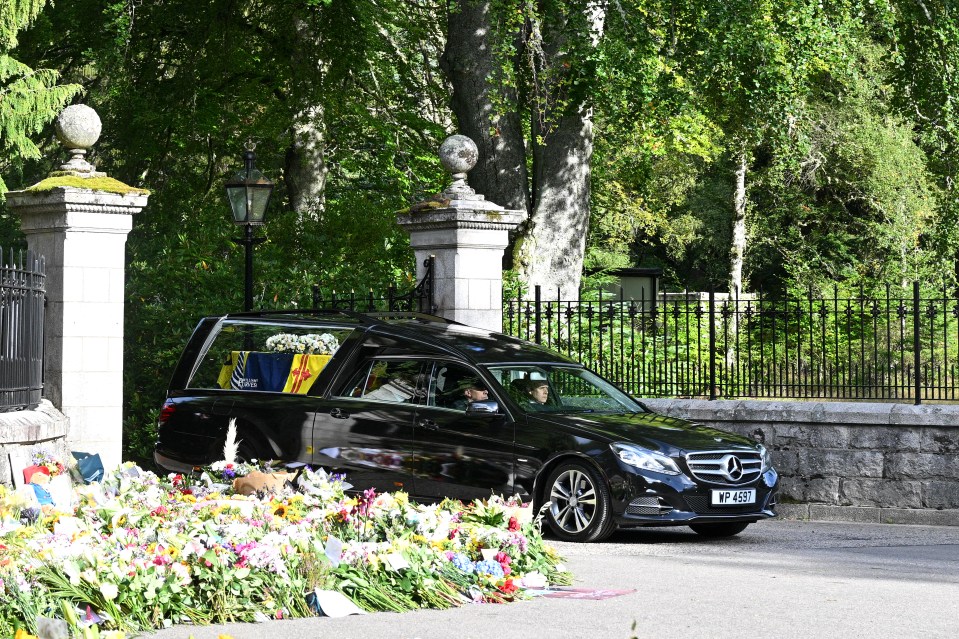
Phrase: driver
(538, 390)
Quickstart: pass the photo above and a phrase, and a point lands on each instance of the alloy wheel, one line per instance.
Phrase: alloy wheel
(573, 501)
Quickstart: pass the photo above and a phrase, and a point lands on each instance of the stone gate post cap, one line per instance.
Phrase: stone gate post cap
(78, 127)
(458, 154)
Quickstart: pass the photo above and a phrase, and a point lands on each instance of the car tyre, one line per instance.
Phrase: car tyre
(248, 450)
(718, 531)
(578, 503)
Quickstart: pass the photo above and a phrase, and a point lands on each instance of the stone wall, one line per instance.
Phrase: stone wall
(849, 461)
(21, 432)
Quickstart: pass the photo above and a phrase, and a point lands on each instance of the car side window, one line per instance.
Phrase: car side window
(528, 386)
(268, 357)
(389, 380)
(454, 386)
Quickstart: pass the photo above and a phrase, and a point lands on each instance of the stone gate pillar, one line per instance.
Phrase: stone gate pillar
(78, 219)
(467, 235)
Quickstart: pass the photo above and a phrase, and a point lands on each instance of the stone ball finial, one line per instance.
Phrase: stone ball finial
(78, 127)
(459, 155)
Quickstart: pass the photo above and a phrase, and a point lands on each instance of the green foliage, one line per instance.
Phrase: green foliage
(29, 98)
(181, 87)
(842, 181)
(845, 108)
(849, 198)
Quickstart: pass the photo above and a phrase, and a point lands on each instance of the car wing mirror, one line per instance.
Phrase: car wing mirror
(488, 407)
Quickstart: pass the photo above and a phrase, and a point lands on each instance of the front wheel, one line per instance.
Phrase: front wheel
(579, 504)
(717, 531)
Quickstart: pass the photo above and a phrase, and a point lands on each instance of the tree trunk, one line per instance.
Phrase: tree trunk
(737, 250)
(738, 247)
(305, 169)
(551, 252)
(306, 165)
(550, 249)
(469, 62)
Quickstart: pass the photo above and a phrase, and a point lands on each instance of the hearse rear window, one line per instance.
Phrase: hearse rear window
(268, 357)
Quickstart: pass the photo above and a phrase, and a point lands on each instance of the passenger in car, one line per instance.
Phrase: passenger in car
(473, 391)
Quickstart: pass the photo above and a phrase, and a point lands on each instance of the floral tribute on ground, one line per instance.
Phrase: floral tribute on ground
(138, 551)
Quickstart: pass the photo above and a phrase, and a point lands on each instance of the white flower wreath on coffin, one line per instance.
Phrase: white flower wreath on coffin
(311, 343)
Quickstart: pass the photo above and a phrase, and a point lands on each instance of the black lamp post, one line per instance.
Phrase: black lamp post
(249, 194)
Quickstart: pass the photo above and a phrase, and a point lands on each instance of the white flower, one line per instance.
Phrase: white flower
(311, 343)
(109, 591)
(283, 343)
(324, 344)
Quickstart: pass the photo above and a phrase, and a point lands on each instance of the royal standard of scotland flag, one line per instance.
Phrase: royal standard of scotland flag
(303, 372)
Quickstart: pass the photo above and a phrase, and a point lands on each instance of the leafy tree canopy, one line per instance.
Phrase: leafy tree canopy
(29, 98)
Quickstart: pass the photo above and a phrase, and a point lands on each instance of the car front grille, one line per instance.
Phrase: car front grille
(725, 467)
(647, 506)
(700, 505)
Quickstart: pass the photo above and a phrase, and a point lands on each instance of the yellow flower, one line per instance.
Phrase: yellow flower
(23, 634)
(280, 510)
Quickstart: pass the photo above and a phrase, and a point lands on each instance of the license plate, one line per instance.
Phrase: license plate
(733, 497)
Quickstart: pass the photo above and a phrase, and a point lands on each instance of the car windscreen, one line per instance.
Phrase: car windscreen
(562, 389)
(267, 357)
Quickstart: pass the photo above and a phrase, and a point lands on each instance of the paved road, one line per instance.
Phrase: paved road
(777, 579)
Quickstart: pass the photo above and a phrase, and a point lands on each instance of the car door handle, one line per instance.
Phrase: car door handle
(339, 413)
(428, 424)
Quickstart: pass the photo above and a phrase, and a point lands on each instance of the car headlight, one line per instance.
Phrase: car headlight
(644, 459)
(766, 457)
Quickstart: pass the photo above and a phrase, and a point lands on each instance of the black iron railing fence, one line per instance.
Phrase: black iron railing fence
(902, 345)
(420, 299)
(22, 294)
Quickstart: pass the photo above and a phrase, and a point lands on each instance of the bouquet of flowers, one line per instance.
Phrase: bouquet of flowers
(140, 551)
(311, 343)
(45, 458)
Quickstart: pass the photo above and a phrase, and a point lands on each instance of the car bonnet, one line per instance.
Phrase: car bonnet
(668, 435)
